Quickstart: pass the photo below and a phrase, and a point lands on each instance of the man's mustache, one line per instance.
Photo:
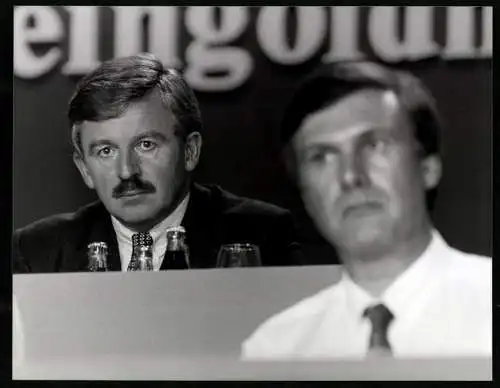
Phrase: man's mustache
(134, 184)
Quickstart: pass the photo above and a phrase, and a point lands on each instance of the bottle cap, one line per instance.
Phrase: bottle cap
(176, 231)
(98, 247)
(97, 244)
(179, 229)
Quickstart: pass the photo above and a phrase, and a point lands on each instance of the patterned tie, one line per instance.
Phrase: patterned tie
(380, 318)
(138, 240)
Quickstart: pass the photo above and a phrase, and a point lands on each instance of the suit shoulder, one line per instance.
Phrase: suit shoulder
(236, 204)
(56, 223)
(38, 247)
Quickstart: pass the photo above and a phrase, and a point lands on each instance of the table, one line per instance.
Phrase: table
(183, 325)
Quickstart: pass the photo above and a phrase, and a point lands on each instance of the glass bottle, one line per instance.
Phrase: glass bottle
(142, 253)
(177, 253)
(97, 253)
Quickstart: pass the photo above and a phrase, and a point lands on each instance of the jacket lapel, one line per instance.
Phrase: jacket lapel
(200, 224)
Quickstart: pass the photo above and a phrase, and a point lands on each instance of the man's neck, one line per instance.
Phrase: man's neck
(376, 271)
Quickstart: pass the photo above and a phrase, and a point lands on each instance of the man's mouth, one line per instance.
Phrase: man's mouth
(132, 193)
(361, 209)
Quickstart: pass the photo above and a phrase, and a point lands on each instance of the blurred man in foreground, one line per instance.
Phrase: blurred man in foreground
(362, 142)
(136, 131)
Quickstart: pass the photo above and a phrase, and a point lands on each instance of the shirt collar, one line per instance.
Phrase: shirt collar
(418, 276)
(356, 298)
(397, 297)
(124, 234)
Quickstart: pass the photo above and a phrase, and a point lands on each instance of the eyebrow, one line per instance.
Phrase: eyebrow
(331, 145)
(371, 133)
(154, 134)
(319, 147)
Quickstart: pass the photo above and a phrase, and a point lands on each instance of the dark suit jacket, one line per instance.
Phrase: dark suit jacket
(213, 217)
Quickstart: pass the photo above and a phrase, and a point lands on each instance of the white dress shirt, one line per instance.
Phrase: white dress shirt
(158, 233)
(442, 307)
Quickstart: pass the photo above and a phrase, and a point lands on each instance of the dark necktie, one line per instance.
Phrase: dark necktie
(138, 240)
(380, 317)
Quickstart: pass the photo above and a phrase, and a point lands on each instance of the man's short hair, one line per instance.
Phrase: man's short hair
(108, 91)
(334, 81)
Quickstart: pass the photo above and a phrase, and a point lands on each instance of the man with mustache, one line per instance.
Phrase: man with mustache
(136, 131)
(362, 142)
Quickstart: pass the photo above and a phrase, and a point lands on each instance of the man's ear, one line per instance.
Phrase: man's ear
(192, 150)
(82, 167)
(431, 167)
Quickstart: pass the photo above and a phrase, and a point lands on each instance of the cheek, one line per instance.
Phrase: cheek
(384, 169)
(163, 170)
(102, 174)
(165, 157)
(319, 188)
(396, 177)
(319, 178)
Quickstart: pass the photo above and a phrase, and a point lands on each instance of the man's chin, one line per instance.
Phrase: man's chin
(364, 240)
(134, 218)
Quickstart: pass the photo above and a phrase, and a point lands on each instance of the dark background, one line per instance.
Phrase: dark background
(239, 152)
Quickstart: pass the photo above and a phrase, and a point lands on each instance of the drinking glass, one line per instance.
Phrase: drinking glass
(238, 255)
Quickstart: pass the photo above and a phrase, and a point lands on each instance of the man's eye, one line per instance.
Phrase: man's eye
(105, 152)
(320, 157)
(147, 145)
(316, 157)
(377, 145)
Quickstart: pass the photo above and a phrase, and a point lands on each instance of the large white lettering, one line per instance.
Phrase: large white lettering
(163, 32)
(213, 61)
(418, 35)
(459, 32)
(83, 51)
(47, 28)
(271, 33)
(344, 34)
(204, 57)
(487, 45)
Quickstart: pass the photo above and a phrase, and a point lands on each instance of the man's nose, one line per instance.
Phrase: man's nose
(353, 172)
(128, 165)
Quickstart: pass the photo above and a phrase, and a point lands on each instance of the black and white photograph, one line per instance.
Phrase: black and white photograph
(252, 193)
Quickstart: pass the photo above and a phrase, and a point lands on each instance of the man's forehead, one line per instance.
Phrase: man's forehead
(151, 105)
(143, 112)
(352, 115)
